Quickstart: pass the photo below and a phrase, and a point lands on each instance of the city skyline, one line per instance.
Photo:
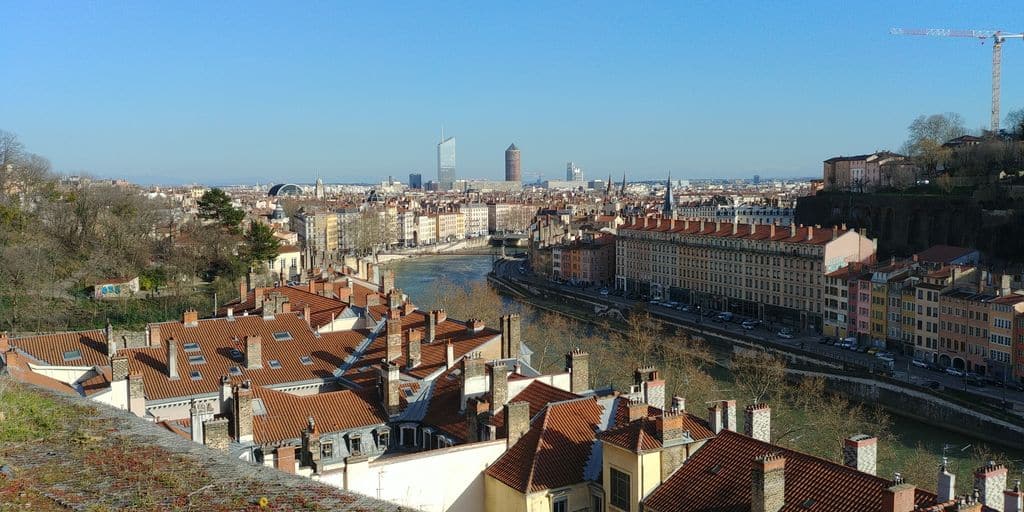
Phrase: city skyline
(657, 92)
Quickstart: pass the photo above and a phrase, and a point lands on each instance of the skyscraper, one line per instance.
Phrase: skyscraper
(446, 163)
(512, 171)
(573, 173)
(415, 180)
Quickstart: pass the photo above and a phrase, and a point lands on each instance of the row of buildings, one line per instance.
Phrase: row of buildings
(344, 380)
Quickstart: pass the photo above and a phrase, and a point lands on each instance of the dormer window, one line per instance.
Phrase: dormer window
(73, 355)
(327, 450)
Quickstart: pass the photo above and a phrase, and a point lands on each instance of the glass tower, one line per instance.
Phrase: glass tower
(446, 163)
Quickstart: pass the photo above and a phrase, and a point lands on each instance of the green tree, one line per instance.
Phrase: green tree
(260, 243)
(216, 205)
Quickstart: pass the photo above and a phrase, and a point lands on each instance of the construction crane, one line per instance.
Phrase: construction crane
(997, 38)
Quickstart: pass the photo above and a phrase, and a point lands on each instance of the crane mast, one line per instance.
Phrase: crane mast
(997, 37)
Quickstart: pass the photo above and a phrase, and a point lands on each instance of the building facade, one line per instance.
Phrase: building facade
(446, 163)
(513, 171)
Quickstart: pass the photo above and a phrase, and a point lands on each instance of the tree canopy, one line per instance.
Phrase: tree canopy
(216, 205)
(927, 134)
(260, 243)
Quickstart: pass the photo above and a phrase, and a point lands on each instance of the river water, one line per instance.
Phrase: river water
(416, 276)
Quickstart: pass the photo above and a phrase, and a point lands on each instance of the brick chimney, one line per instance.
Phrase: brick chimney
(990, 481)
(430, 331)
(394, 339)
(253, 352)
(669, 427)
(474, 325)
(389, 381)
(899, 497)
(307, 315)
(449, 355)
(474, 380)
(408, 308)
(414, 357)
(577, 363)
(440, 316)
(394, 299)
(387, 281)
(242, 395)
(946, 490)
(310, 454)
(637, 408)
(768, 483)
(651, 385)
(190, 318)
(154, 335)
(510, 336)
(136, 395)
(5, 342)
(243, 291)
(172, 358)
(119, 368)
(517, 421)
(476, 410)
(771, 230)
(372, 300)
(860, 452)
(284, 459)
(1013, 499)
(722, 415)
(217, 433)
(758, 424)
(499, 386)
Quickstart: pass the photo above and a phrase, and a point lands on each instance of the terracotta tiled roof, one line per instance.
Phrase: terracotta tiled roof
(18, 368)
(219, 338)
(96, 383)
(717, 478)
(50, 348)
(943, 253)
(537, 394)
(334, 411)
(804, 234)
(443, 409)
(555, 451)
(642, 435)
(322, 309)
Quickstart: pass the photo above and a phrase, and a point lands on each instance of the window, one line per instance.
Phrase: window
(306, 360)
(282, 336)
(355, 445)
(596, 503)
(620, 488)
(275, 364)
(191, 347)
(235, 371)
(196, 359)
(195, 376)
(236, 354)
(73, 355)
(327, 450)
(560, 504)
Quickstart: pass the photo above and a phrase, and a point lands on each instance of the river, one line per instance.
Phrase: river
(415, 277)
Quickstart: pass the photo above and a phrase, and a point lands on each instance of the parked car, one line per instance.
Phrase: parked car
(827, 340)
(604, 291)
(750, 324)
(886, 358)
(919, 363)
(954, 372)
(724, 316)
(683, 308)
(934, 367)
(873, 350)
(785, 334)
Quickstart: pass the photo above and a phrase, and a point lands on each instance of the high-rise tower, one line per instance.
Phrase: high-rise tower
(512, 169)
(446, 162)
(668, 209)
(573, 173)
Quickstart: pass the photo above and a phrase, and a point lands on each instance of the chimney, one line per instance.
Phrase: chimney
(499, 386)
(990, 481)
(243, 412)
(510, 336)
(190, 318)
(652, 386)
(307, 315)
(394, 299)
(217, 434)
(231, 314)
(136, 395)
(284, 459)
(474, 381)
(792, 230)
(387, 281)
(440, 316)
(860, 453)
(758, 424)
(414, 356)
(672, 224)
(702, 223)
(475, 409)
(372, 300)
(768, 483)
(474, 325)
(119, 368)
(408, 308)
(771, 231)
(253, 352)
(310, 454)
(810, 232)
(5, 342)
(678, 404)
(577, 363)
(172, 358)
(835, 232)
(946, 489)
(899, 497)
(154, 335)
(243, 291)
(449, 355)
(389, 380)
(394, 341)
(1005, 284)
(108, 335)
(722, 415)
(517, 421)
(637, 409)
(431, 327)
(224, 398)
(669, 427)
(1012, 499)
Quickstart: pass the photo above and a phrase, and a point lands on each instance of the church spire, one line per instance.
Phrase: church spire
(668, 209)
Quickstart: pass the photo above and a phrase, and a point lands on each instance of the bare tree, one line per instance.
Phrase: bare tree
(757, 375)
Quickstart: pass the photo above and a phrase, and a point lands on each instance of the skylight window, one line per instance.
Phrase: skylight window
(191, 347)
(275, 364)
(235, 371)
(258, 407)
(306, 360)
(73, 355)
(195, 376)
(282, 336)
(196, 359)
(408, 392)
(236, 354)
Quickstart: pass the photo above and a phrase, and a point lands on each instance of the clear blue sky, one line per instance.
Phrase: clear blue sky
(222, 92)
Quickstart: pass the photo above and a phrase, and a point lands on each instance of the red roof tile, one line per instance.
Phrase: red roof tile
(803, 234)
(50, 348)
(334, 411)
(537, 394)
(717, 478)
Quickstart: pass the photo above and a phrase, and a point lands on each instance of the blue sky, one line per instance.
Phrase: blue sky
(225, 92)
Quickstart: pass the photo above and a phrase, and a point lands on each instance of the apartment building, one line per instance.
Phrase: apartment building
(765, 271)
(426, 229)
(590, 260)
(450, 227)
(475, 217)
(317, 231)
(405, 222)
